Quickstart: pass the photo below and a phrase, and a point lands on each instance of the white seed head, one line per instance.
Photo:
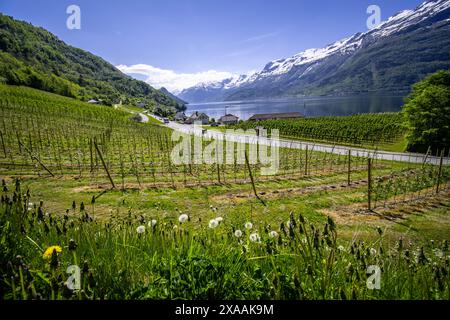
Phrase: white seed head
(254, 237)
(140, 229)
(213, 223)
(183, 218)
(238, 233)
(248, 225)
(273, 234)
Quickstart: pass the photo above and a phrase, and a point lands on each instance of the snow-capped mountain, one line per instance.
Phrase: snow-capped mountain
(390, 57)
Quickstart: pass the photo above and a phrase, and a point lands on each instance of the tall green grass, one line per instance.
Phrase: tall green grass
(174, 260)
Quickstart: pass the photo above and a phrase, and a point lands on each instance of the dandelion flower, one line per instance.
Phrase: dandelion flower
(213, 223)
(238, 233)
(248, 225)
(273, 234)
(140, 229)
(49, 252)
(254, 237)
(183, 218)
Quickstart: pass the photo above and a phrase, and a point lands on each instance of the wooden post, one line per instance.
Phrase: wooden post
(306, 161)
(426, 156)
(35, 157)
(439, 172)
(91, 154)
(349, 166)
(104, 164)
(369, 183)
(251, 179)
(3, 143)
(218, 173)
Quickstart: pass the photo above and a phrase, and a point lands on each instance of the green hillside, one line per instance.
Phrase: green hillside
(34, 57)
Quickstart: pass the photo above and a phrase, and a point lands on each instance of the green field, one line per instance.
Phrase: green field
(314, 235)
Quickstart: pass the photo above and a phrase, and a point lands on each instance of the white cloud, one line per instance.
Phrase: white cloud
(172, 81)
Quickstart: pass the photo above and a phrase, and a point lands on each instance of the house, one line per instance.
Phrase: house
(198, 117)
(275, 116)
(142, 105)
(228, 119)
(179, 116)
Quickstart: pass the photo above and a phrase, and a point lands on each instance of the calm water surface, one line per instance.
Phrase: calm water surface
(309, 106)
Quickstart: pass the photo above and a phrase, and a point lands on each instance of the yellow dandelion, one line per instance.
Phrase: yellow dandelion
(48, 253)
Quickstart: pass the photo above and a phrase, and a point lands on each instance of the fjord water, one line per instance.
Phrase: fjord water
(309, 106)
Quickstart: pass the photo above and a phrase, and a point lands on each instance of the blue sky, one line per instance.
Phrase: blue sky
(170, 38)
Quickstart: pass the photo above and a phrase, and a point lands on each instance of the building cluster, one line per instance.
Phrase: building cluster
(230, 119)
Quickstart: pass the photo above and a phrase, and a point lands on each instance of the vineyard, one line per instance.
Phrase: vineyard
(409, 185)
(48, 135)
(44, 134)
(371, 129)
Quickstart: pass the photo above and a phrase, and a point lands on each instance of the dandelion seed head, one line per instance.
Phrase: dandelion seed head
(273, 234)
(219, 219)
(183, 218)
(238, 233)
(373, 251)
(438, 253)
(254, 237)
(140, 229)
(248, 225)
(213, 223)
(152, 223)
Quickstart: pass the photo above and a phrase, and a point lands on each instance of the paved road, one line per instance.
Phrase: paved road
(144, 118)
(295, 144)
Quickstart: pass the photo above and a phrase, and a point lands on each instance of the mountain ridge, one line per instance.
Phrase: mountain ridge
(338, 68)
